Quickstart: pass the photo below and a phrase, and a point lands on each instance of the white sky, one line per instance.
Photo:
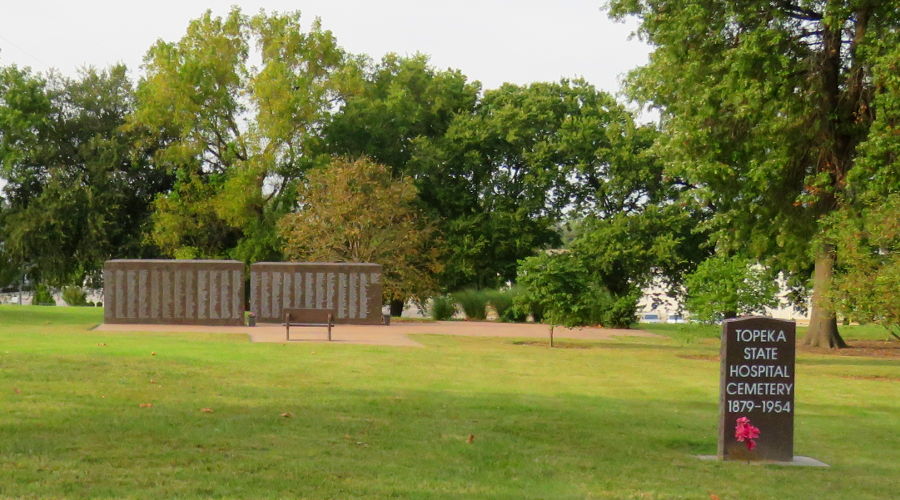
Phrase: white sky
(493, 41)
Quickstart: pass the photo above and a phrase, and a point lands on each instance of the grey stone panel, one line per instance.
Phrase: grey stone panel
(190, 284)
(298, 290)
(108, 304)
(320, 290)
(353, 300)
(277, 284)
(342, 295)
(215, 282)
(286, 290)
(308, 291)
(237, 294)
(174, 291)
(166, 294)
(202, 294)
(330, 290)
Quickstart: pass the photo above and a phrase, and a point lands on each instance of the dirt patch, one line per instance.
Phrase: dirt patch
(883, 378)
(870, 348)
(701, 357)
(556, 344)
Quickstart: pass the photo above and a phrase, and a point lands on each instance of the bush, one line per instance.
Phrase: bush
(502, 301)
(43, 296)
(611, 311)
(473, 302)
(74, 296)
(524, 305)
(724, 287)
(99, 304)
(442, 308)
(560, 289)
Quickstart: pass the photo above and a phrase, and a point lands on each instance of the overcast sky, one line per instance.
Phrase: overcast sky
(493, 41)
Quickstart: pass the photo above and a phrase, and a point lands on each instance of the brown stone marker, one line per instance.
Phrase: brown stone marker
(757, 382)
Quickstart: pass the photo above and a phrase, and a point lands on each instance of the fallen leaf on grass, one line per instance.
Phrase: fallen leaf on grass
(152, 381)
(146, 405)
(153, 353)
(206, 410)
(713, 496)
(102, 344)
(287, 414)
(471, 439)
(16, 390)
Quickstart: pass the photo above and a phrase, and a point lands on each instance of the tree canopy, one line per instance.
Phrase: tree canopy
(236, 135)
(766, 107)
(77, 191)
(353, 211)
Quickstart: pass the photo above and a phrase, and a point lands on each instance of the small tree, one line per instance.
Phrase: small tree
(565, 290)
(74, 296)
(353, 211)
(723, 287)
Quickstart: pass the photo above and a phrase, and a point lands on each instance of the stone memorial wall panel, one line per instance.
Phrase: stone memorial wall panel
(352, 290)
(204, 292)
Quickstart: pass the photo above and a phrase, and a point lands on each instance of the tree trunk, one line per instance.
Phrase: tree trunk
(551, 335)
(396, 307)
(823, 330)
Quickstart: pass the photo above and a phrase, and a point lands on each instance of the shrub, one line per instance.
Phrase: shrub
(502, 301)
(74, 296)
(724, 287)
(473, 302)
(524, 304)
(43, 296)
(442, 308)
(560, 289)
(99, 304)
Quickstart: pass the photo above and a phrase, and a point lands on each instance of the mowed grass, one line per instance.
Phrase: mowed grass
(613, 419)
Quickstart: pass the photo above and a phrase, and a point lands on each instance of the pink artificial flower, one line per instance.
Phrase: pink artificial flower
(744, 432)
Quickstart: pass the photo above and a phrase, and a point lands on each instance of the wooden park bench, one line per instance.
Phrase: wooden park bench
(307, 317)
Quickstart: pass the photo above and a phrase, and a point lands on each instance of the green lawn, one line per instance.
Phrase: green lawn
(690, 332)
(614, 419)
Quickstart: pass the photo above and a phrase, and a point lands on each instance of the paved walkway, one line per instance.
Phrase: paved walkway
(396, 334)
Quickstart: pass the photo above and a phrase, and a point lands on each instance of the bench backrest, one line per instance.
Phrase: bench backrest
(297, 315)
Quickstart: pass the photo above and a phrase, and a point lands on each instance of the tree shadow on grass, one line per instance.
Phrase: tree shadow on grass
(337, 442)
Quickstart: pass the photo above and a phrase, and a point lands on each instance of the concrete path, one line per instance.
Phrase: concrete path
(396, 334)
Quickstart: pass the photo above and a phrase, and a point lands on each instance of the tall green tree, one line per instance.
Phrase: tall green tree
(501, 179)
(77, 191)
(236, 134)
(392, 105)
(765, 105)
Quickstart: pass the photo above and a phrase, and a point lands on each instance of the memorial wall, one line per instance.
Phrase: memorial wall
(352, 290)
(203, 292)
